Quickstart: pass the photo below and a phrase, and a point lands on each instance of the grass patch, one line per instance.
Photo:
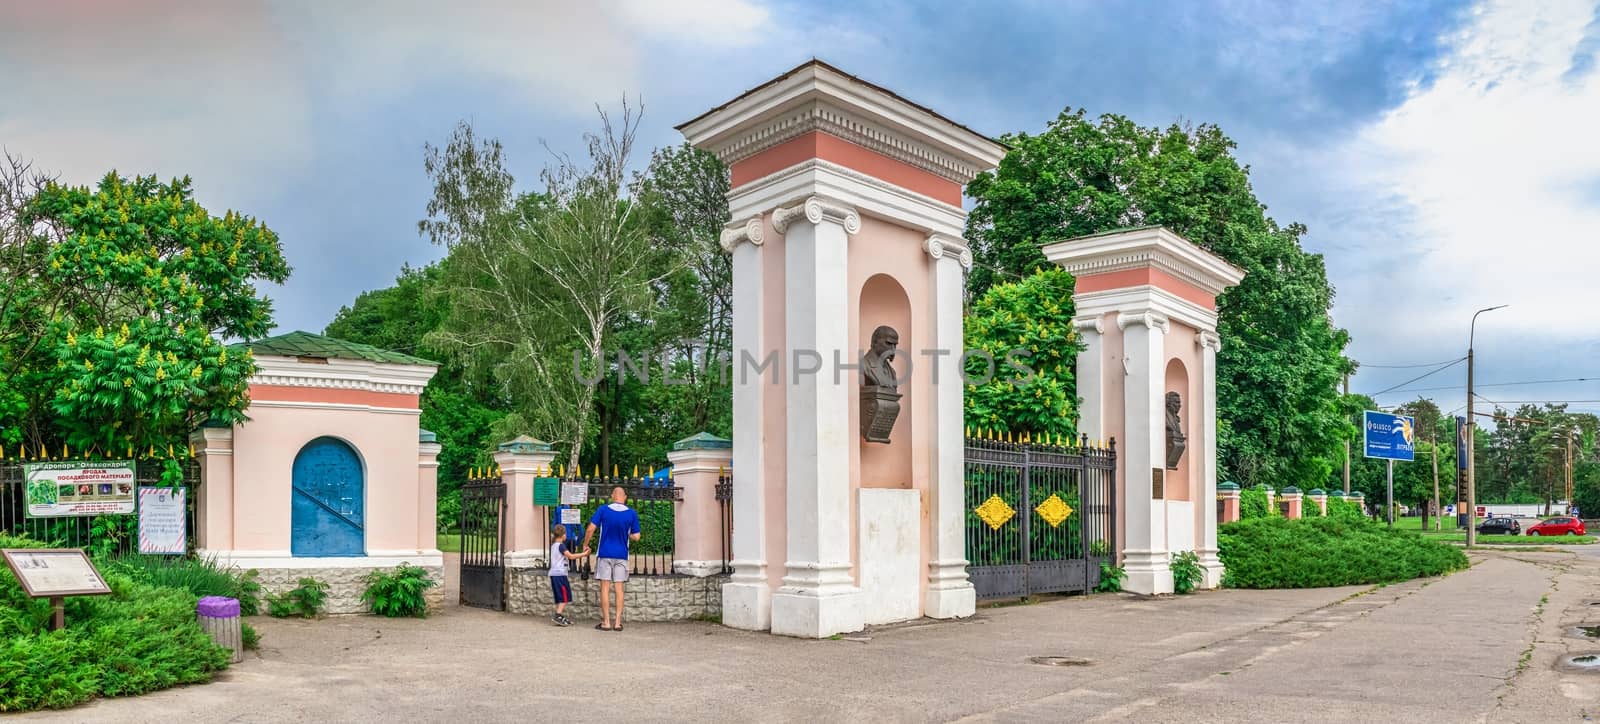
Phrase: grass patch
(450, 542)
(1275, 552)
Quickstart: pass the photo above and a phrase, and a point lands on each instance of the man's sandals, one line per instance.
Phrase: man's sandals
(602, 627)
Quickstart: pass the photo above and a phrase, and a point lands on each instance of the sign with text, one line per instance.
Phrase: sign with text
(574, 493)
(55, 572)
(79, 488)
(1389, 437)
(546, 491)
(162, 528)
(571, 516)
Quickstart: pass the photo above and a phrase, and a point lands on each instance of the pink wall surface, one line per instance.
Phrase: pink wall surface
(1114, 383)
(264, 449)
(883, 301)
(837, 150)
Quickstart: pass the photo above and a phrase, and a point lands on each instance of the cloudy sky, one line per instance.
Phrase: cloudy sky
(1444, 153)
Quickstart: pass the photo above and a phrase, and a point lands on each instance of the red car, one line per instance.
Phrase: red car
(1558, 526)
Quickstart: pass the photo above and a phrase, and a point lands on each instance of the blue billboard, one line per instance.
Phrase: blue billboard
(1386, 436)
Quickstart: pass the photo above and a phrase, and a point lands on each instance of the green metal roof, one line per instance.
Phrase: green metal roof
(306, 344)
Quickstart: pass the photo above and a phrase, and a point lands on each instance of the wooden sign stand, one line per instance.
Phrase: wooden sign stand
(55, 573)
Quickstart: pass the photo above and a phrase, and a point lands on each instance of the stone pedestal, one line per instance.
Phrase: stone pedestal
(1319, 498)
(697, 464)
(1228, 502)
(1289, 503)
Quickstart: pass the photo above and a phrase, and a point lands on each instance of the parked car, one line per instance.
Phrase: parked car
(1558, 526)
(1500, 526)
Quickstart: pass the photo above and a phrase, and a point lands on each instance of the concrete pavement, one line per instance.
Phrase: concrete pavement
(1438, 650)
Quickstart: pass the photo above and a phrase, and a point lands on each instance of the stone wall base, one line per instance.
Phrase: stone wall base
(345, 585)
(648, 598)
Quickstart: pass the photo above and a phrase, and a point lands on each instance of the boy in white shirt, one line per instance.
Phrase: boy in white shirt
(560, 586)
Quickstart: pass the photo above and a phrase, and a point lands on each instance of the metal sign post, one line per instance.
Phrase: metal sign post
(1390, 503)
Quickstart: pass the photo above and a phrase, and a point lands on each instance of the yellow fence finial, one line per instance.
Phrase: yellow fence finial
(130, 452)
(613, 470)
(561, 470)
(169, 451)
(636, 471)
(652, 471)
(191, 449)
(65, 451)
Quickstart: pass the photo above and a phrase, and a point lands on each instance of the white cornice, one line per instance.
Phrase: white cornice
(870, 196)
(342, 374)
(1145, 298)
(1152, 247)
(816, 97)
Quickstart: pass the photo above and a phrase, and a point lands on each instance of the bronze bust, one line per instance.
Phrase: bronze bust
(880, 402)
(1176, 441)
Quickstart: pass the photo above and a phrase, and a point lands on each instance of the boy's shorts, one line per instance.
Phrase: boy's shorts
(561, 589)
(611, 569)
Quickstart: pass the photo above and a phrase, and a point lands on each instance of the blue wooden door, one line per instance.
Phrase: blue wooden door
(329, 501)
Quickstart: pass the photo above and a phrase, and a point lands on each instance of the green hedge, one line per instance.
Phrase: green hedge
(141, 638)
(1275, 552)
(1253, 504)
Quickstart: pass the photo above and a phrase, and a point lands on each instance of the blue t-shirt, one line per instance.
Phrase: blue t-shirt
(616, 522)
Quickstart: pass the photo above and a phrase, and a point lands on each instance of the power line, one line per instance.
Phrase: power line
(1364, 365)
(1419, 377)
(1506, 384)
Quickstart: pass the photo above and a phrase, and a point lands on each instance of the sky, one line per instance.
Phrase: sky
(1443, 153)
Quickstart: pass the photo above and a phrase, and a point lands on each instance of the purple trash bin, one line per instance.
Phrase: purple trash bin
(219, 617)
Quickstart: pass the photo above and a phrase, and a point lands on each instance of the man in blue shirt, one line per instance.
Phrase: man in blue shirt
(618, 525)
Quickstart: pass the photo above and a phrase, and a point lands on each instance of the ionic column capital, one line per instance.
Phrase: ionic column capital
(1208, 340)
(817, 209)
(751, 231)
(1094, 324)
(1152, 320)
(939, 246)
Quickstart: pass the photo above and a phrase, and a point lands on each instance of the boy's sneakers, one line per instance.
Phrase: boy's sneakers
(561, 620)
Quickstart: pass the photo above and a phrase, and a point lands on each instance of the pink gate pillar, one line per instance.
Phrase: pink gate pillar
(1147, 314)
(697, 463)
(521, 460)
(1290, 503)
(847, 206)
(1228, 498)
(1319, 499)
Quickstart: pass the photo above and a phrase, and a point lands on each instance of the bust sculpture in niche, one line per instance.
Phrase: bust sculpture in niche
(1176, 441)
(880, 400)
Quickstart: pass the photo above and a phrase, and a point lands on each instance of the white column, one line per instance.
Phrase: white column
(950, 594)
(1144, 545)
(1091, 385)
(428, 495)
(1210, 344)
(747, 596)
(818, 597)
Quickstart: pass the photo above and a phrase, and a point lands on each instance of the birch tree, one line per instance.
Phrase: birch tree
(536, 280)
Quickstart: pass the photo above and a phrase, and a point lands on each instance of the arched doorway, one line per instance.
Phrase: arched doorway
(329, 501)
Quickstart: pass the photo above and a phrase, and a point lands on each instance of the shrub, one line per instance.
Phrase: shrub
(141, 638)
(1345, 510)
(1317, 552)
(1253, 504)
(200, 576)
(305, 600)
(399, 592)
(1186, 572)
(1111, 578)
(249, 636)
(1310, 509)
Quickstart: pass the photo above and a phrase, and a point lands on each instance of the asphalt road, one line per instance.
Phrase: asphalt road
(1481, 645)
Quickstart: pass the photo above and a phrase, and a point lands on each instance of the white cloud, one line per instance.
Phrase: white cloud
(1486, 160)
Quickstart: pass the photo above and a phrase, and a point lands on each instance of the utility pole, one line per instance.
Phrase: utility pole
(1347, 442)
(1433, 443)
(1472, 437)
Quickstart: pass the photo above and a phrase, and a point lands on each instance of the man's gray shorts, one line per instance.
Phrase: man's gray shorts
(611, 569)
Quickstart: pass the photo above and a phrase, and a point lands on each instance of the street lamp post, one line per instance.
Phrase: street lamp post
(1472, 437)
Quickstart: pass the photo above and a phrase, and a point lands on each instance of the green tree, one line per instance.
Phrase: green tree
(116, 303)
(1028, 322)
(537, 283)
(1277, 406)
(461, 406)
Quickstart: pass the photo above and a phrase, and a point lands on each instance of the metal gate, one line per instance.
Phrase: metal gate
(1041, 516)
(483, 532)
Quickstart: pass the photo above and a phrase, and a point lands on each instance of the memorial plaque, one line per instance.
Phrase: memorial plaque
(574, 493)
(55, 572)
(1158, 483)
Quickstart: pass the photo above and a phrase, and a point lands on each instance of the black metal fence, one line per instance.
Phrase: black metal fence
(104, 534)
(1041, 515)
(654, 498)
(725, 519)
(483, 533)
